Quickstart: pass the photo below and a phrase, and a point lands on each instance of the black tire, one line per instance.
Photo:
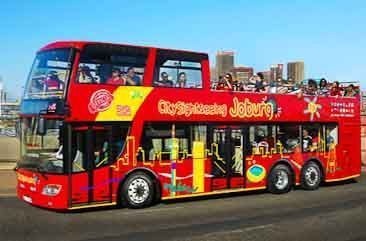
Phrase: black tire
(311, 176)
(138, 191)
(276, 173)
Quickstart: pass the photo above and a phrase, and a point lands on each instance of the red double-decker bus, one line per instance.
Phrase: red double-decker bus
(105, 124)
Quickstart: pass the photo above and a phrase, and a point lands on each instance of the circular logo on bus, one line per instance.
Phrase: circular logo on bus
(256, 173)
(100, 101)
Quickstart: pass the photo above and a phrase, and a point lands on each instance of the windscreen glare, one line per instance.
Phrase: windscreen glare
(49, 75)
(43, 152)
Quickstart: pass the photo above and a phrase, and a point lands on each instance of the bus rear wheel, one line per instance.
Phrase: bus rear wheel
(138, 191)
(311, 176)
(280, 179)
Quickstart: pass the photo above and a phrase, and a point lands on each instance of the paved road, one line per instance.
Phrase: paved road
(336, 212)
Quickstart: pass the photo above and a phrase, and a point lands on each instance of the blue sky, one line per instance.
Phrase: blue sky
(329, 35)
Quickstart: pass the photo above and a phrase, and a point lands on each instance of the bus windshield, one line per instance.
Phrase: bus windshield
(42, 152)
(50, 72)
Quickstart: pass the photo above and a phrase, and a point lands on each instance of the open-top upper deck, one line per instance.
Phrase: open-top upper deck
(112, 82)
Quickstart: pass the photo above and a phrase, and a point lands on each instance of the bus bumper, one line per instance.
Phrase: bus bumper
(31, 189)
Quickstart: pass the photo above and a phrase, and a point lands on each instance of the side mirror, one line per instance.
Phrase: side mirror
(41, 129)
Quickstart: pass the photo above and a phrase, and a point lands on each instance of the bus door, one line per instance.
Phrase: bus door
(90, 174)
(227, 149)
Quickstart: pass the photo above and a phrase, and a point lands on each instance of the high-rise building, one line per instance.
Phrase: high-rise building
(224, 62)
(276, 72)
(242, 74)
(266, 75)
(295, 71)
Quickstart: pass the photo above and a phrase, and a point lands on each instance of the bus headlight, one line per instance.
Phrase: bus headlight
(51, 189)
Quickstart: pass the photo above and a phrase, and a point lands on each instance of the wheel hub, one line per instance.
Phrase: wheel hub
(311, 176)
(138, 190)
(282, 180)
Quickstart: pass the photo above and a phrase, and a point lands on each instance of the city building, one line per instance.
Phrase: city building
(266, 76)
(9, 114)
(363, 127)
(242, 74)
(276, 72)
(224, 62)
(295, 71)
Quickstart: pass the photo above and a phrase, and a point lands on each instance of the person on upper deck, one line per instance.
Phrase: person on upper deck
(350, 91)
(228, 81)
(323, 87)
(52, 81)
(132, 78)
(164, 82)
(182, 80)
(116, 78)
(260, 85)
(85, 76)
(276, 87)
(312, 87)
(251, 85)
(335, 90)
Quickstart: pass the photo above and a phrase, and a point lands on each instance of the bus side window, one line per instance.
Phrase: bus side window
(331, 133)
(157, 141)
(178, 70)
(120, 65)
(262, 139)
(288, 138)
(312, 137)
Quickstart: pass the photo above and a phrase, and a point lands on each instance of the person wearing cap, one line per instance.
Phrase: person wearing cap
(116, 78)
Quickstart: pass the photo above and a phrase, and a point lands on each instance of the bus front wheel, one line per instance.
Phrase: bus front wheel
(137, 191)
(280, 179)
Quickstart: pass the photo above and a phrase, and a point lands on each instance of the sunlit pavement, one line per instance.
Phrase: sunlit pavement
(334, 212)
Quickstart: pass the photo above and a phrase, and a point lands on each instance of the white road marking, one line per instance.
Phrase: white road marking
(258, 227)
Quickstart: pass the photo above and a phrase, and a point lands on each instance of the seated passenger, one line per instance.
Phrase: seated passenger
(312, 87)
(291, 144)
(276, 87)
(323, 87)
(132, 78)
(292, 87)
(182, 80)
(85, 75)
(306, 140)
(251, 86)
(350, 91)
(52, 82)
(164, 82)
(335, 90)
(260, 85)
(226, 83)
(116, 78)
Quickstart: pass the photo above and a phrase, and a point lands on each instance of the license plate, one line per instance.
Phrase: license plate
(27, 199)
